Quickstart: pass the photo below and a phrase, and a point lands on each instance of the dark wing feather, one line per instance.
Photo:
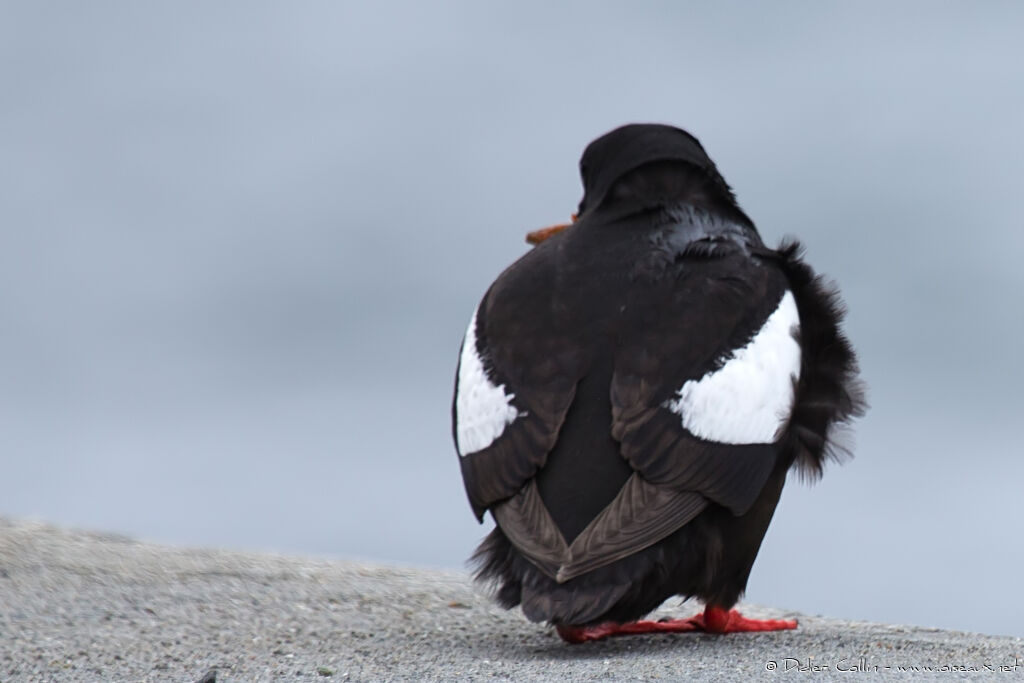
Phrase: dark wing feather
(716, 304)
(519, 344)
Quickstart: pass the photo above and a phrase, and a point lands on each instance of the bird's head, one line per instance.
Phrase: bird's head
(647, 165)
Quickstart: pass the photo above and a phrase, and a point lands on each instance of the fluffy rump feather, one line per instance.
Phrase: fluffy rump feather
(829, 394)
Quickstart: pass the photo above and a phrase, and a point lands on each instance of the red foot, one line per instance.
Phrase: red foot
(718, 620)
(713, 620)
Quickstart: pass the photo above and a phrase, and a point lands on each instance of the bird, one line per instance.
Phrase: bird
(633, 391)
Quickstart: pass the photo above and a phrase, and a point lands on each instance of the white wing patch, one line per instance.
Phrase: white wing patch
(750, 398)
(482, 410)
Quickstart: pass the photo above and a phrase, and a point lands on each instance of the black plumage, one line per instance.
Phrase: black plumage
(605, 503)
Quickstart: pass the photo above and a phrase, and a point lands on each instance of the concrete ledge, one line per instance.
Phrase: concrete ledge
(77, 606)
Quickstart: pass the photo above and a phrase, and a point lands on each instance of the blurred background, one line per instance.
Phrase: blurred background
(240, 242)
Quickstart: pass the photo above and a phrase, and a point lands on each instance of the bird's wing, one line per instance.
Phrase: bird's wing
(705, 378)
(516, 378)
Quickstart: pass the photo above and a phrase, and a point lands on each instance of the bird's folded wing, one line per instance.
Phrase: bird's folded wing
(702, 391)
(516, 379)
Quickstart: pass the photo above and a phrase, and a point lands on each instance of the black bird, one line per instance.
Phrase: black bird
(632, 393)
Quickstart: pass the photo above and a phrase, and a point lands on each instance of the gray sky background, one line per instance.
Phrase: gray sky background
(239, 244)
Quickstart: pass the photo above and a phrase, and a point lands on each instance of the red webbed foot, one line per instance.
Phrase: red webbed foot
(713, 620)
(718, 620)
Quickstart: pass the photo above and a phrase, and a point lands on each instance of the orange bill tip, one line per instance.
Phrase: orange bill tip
(538, 236)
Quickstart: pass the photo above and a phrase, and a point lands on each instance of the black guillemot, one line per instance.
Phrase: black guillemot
(632, 392)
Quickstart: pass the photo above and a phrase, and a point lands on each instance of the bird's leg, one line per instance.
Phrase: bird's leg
(712, 620)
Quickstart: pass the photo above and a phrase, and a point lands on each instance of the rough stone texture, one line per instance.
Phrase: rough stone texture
(78, 606)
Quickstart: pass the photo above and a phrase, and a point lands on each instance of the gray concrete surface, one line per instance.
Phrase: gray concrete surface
(81, 606)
